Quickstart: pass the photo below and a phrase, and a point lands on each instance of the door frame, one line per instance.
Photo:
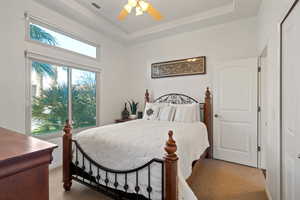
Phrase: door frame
(261, 139)
(295, 3)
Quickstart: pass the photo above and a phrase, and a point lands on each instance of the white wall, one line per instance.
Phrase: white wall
(12, 70)
(270, 15)
(235, 40)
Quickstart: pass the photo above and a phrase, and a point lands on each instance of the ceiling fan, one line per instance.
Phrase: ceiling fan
(140, 6)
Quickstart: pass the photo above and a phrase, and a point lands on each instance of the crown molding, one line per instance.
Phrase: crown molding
(224, 10)
(75, 11)
(87, 16)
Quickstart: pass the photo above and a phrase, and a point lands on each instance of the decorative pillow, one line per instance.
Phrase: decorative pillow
(198, 112)
(187, 113)
(166, 113)
(151, 111)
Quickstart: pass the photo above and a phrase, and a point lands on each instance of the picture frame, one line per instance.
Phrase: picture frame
(183, 67)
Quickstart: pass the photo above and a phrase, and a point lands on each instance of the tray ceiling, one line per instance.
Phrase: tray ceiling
(171, 10)
(179, 16)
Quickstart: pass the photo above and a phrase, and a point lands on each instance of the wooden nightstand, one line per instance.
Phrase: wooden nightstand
(123, 120)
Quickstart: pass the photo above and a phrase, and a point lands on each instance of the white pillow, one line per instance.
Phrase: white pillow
(151, 111)
(198, 112)
(186, 113)
(166, 113)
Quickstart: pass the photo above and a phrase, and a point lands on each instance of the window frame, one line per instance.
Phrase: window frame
(30, 57)
(41, 22)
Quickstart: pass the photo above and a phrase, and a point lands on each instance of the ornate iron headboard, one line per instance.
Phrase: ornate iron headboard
(205, 110)
(175, 99)
(180, 99)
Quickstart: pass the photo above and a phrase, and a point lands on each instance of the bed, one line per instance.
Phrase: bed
(131, 161)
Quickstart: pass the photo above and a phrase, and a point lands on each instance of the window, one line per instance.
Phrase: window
(46, 36)
(83, 98)
(60, 85)
(59, 92)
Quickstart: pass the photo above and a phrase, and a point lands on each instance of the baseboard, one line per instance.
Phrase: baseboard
(268, 193)
(266, 185)
(53, 167)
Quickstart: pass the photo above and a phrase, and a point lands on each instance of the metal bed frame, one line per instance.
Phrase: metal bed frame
(80, 169)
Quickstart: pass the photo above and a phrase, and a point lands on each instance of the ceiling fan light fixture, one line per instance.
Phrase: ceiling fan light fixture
(128, 8)
(132, 3)
(140, 6)
(144, 5)
(138, 11)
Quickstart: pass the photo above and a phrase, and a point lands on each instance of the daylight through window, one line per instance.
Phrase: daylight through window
(53, 38)
(51, 104)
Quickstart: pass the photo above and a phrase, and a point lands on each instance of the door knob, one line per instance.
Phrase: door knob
(216, 115)
(299, 155)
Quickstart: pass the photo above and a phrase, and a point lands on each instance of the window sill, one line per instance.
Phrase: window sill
(50, 136)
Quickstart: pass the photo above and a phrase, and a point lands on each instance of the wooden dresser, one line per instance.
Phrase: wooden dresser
(24, 165)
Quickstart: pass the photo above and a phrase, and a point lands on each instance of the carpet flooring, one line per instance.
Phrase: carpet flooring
(210, 180)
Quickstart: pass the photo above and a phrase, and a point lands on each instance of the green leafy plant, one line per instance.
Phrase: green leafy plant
(50, 110)
(133, 106)
(50, 107)
(42, 69)
(38, 34)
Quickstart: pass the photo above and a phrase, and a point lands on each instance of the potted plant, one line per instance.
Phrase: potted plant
(133, 108)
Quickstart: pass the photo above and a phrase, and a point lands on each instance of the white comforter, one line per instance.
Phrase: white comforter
(132, 144)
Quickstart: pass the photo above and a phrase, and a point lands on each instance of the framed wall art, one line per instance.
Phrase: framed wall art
(184, 67)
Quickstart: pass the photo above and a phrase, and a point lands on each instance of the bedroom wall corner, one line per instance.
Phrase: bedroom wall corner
(269, 17)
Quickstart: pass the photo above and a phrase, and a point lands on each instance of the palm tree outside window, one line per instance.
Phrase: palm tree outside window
(50, 90)
(42, 69)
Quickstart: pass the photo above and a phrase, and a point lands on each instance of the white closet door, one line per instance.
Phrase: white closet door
(235, 112)
(291, 105)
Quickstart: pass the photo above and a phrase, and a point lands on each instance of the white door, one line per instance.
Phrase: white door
(235, 112)
(291, 105)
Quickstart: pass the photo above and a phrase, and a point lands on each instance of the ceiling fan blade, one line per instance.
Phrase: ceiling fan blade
(123, 14)
(154, 13)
